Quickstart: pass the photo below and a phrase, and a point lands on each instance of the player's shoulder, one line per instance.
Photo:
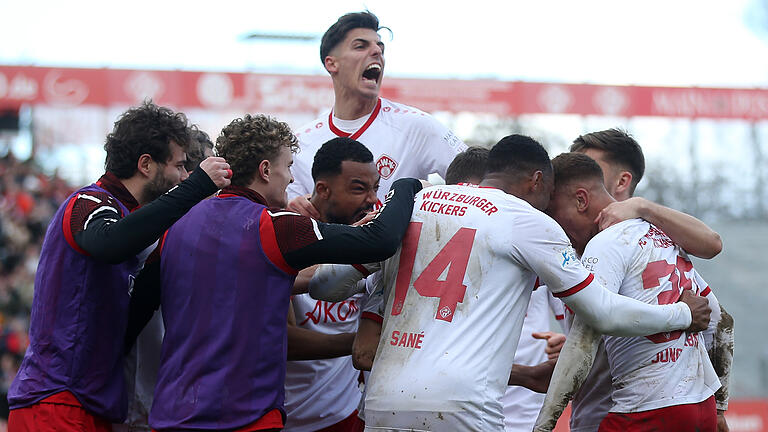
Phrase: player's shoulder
(315, 132)
(623, 238)
(406, 115)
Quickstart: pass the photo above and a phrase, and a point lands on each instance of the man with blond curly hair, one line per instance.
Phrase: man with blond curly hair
(227, 270)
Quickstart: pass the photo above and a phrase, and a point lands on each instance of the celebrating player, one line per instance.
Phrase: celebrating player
(623, 164)
(322, 391)
(664, 381)
(72, 374)
(471, 256)
(227, 270)
(405, 141)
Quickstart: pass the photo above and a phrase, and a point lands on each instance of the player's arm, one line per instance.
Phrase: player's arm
(535, 378)
(369, 329)
(570, 371)
(334, 243)
(552, 258)
(690, 233)
(439, 146)
(305, 344)
(100, 232)
(338, 282)
(719, 342)
(145, 299)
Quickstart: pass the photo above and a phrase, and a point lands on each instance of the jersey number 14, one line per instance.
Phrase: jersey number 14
(454, 255)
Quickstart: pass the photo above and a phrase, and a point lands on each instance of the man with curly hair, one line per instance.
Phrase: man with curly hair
(71, 378)
(227, 269)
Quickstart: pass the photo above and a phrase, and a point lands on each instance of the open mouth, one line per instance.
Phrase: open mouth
(372, 72)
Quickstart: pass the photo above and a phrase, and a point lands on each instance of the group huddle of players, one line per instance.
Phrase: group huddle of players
(251, 292)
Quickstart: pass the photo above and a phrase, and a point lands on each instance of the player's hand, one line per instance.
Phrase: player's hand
(367, 218)
(555, 342)
(700, 310)
(619, 211)
(218, 170)
(722, 425)
(302, 206)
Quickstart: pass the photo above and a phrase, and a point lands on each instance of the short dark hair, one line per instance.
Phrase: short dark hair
(146, 129)
(471, 163)
(329, 157)
(519, 154)
(338, 31)
(619, 147)
(573, 166)
(196, 151)
(247, 141)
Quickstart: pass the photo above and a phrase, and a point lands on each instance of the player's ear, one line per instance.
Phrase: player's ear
(322, 190)
(582, 200)
(264, 168)
(144, 165)
(624, 183)
(330, 64)
(536, 180)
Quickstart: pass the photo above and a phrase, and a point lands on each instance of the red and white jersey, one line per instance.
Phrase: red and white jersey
(637, 260)
(320, 393)
(405, 142)
(458, 290)
(521, 406)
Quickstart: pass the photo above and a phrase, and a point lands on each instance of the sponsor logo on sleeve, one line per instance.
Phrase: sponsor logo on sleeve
(569, 257)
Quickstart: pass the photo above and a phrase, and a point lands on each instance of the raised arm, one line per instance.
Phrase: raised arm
(691, 234)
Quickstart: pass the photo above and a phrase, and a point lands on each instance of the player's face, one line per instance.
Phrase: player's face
(562, 208)
(352, 194)
(611, 173)
(279, 178)
(358, 63)
(167, 175)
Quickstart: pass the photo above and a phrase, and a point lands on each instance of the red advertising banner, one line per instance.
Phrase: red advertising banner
(70, 87)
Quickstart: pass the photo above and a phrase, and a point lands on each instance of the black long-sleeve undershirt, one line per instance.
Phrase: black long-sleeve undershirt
(113, 240)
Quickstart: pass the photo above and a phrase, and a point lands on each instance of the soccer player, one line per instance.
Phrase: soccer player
(227, 270)
(200, 148)
(660, 382)
(322, 391)
(459, 287)
(623, 164)
(405, 141)
(72, 374)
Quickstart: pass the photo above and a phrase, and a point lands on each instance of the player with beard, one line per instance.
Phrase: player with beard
(405, 141)
(322, 391)
(71, 377)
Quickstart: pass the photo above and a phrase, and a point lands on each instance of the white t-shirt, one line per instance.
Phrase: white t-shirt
(462, 282)
(405, 142)
(637, 260)
(320, 393)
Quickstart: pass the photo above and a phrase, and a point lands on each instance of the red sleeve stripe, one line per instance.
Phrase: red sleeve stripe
(705, 292)
(372, 316)
(270, 246)
(559, 317)
(576, 288)
(362, 269)
(66, 226)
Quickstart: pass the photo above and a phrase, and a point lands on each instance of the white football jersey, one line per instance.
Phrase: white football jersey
(637, 260)
(320, 393)
(405, 142)
(458, 290)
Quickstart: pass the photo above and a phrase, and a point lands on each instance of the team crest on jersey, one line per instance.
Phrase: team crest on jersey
(386, 166)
